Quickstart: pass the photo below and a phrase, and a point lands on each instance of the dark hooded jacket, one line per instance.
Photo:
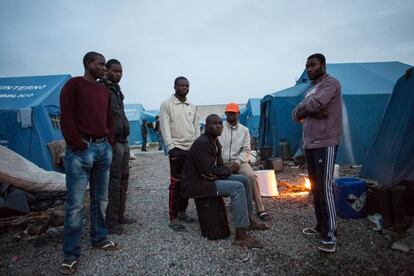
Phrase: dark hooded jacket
(121, 126)
(203, 166)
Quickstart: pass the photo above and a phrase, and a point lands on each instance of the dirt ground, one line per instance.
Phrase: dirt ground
(151, 248)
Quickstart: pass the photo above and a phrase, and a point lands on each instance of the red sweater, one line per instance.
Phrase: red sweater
(85, 111)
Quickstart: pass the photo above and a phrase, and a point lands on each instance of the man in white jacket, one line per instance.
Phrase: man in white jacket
(235, 141)
(179, 127)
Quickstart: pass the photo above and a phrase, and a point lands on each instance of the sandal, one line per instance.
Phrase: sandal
(264, 216)
(248, 243)
(107, 245)
(68, 267)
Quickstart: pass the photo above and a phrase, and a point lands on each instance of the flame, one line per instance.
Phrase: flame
(307, 183)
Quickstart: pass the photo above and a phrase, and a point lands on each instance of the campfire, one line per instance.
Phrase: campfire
(307, 183)
(298, 185)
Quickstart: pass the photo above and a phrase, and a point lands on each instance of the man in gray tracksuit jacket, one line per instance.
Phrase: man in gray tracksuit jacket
(321, 115)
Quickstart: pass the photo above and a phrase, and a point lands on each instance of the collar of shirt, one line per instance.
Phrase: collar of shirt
(321, 78)
(231, 126)
(177, 101)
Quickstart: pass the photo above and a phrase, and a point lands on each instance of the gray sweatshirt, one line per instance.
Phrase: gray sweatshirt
(323, 95)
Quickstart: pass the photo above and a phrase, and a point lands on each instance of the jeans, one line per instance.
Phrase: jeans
(91, 165)
(238, 189)
(118, 185)
(161, 145)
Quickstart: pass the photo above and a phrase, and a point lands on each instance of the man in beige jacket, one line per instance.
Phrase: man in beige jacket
(235, 141)
(179, 127)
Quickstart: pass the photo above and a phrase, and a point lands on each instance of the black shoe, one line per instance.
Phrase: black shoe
(182, 216)
(176, 226)
(116, 230)
(127, 221)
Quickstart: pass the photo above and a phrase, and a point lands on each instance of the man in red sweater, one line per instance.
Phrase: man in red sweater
(87, 126)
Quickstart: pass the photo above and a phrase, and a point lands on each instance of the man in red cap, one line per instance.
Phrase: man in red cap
(235, 141)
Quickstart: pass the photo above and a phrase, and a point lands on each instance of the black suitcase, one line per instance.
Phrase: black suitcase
(212, 216)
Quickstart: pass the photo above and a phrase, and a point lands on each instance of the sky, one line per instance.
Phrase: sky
(229, 50)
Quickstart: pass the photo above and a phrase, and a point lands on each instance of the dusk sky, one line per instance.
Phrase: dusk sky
(229, 50)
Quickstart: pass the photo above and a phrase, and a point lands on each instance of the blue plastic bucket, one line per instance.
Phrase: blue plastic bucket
(350, 198)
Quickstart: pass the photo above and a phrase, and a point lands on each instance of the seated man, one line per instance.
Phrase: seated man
(204, 175)
(235, 141)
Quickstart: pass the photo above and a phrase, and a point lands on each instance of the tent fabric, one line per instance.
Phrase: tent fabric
(250, 116)
(135, 114)
(366, 89)
(19, 172)
(390, 160)
(30, 116)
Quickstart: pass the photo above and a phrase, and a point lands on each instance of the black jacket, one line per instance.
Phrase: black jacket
(204, 164)
(121, 126)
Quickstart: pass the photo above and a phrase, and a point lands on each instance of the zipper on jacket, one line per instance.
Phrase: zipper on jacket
(231, 141)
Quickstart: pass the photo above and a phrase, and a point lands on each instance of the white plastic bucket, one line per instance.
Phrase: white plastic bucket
(267, 182)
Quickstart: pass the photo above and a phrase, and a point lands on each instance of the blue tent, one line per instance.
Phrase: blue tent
(30, 116)
(366, 89)
(149, 116)
(250, 116)
(390, 158)
(133, 113)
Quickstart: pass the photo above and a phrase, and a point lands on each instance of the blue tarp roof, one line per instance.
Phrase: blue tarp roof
(364, 78)
(133, 111)
(366, 89)
(24, 92)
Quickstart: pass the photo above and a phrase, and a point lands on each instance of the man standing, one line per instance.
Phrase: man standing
(144, 133)
(321, 115)
(205, 175)
(87, 125)
(179, 127)
(235, 141)
(118, 180)
(157, 130)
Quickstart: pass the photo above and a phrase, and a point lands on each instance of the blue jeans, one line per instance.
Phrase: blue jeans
(238, 189)
(93, 166)
(161, 145)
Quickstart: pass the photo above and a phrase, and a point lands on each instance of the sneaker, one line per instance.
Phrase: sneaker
(310, 231)
(325, 241)
(328, 247)
(176, 226)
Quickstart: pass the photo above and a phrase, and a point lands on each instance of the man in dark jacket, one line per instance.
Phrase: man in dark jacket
(144, 133)
(204, 175)
(118, 180)
(321, 115)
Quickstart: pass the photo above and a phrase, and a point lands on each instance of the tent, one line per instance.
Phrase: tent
(389, 160)
(250, 116)
(149, 116)
(133, 113)
(30, 116)
(366, 89)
